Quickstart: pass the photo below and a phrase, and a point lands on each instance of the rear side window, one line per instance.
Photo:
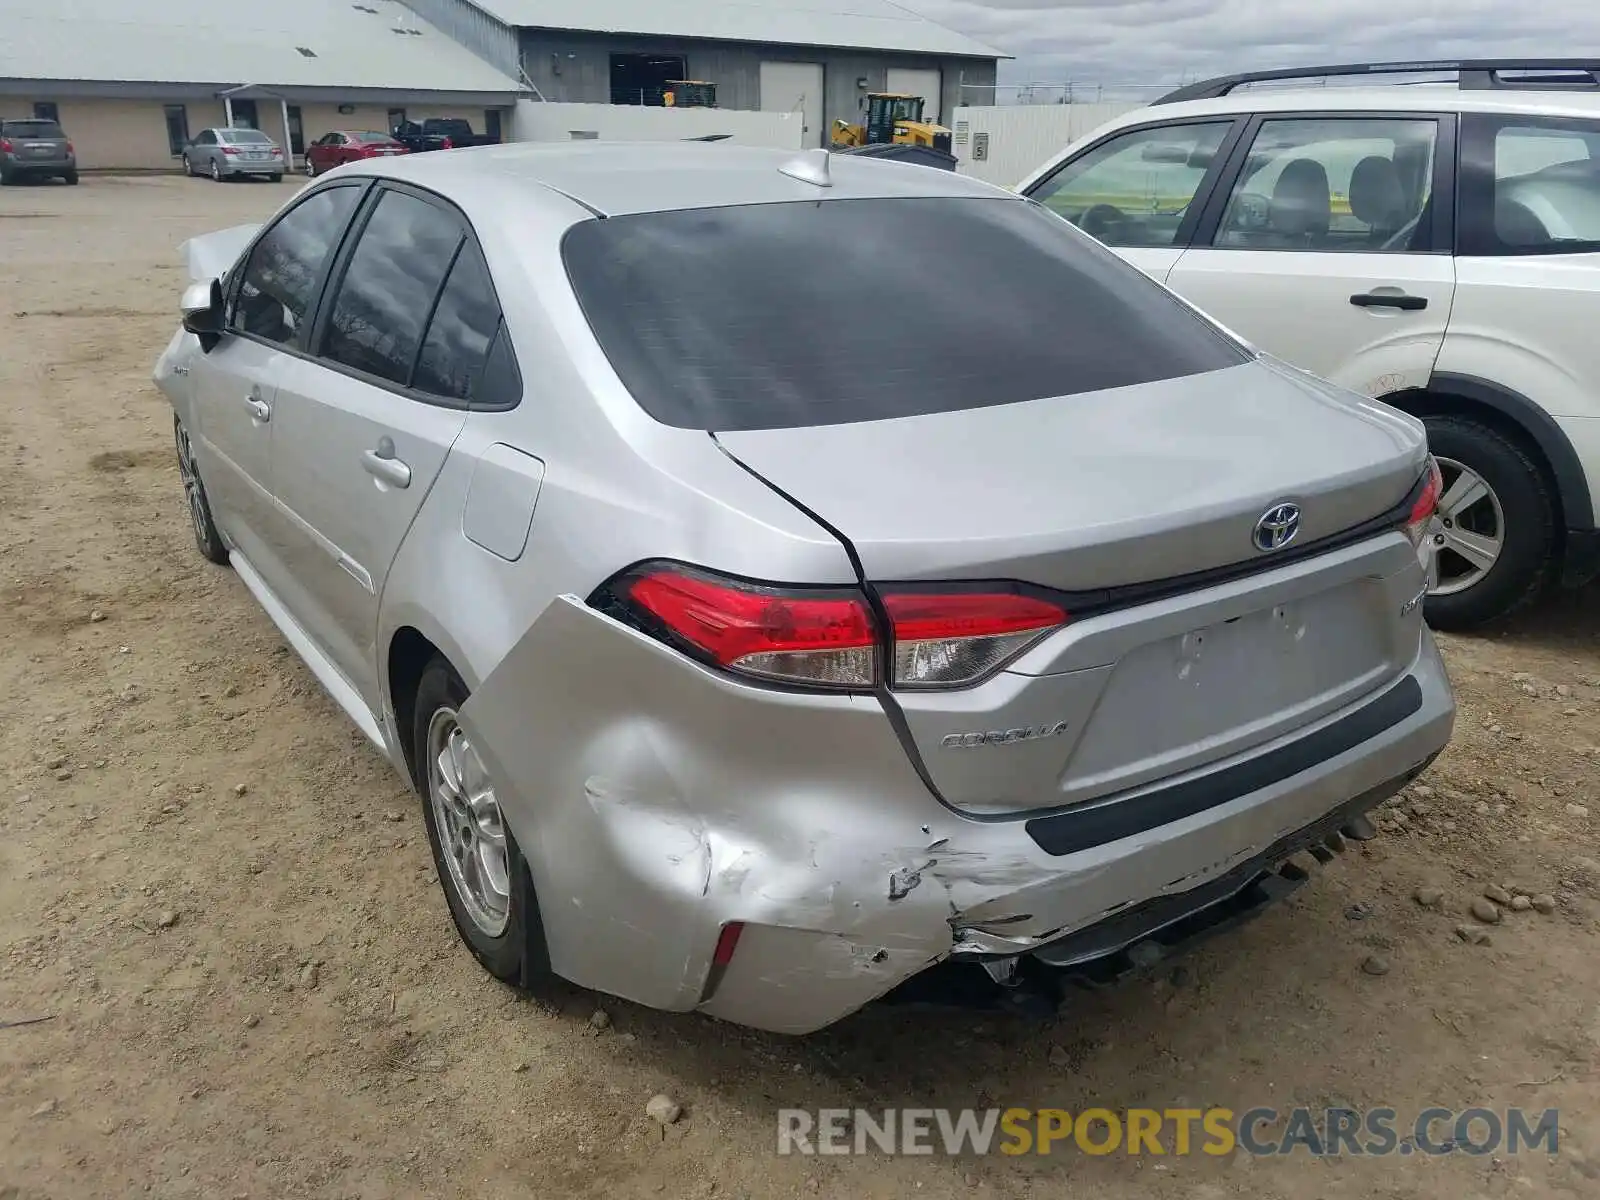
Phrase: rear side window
(1529, 186)
(32, 129)
(381, 306)
(464, 325)
(285, 266)
(247, 137)
(784, 315)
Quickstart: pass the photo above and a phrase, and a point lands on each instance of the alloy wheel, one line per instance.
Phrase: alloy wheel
(1468, 531)
(191, 485)
(470, 828)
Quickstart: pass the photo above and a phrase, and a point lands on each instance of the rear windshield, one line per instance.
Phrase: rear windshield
(33, 129)
(371, 137)
(775, 316)
(246, 135)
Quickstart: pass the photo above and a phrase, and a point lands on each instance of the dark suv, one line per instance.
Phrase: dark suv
(35, 149)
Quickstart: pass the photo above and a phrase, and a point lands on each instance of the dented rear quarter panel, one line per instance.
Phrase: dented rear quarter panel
(657, 800)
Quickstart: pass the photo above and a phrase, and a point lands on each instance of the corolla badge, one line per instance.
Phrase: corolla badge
(1003, 737)
(1276, 527)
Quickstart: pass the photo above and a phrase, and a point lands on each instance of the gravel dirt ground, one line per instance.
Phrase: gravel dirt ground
(222, 897)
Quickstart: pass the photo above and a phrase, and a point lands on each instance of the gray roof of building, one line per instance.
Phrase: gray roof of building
(352, 45)
(853, 24)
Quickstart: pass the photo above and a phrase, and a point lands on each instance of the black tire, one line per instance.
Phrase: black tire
(216, 172)
(188, 167)
(1527, 558)
(275, 178)
(206, 537)
(516, 956)
(6, 178)
(71, 178)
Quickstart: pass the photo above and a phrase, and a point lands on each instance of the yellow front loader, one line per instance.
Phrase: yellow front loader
(891, 117)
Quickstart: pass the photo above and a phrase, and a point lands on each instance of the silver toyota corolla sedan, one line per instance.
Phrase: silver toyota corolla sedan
(791, 581)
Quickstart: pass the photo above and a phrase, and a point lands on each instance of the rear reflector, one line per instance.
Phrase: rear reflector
(727, 943)
(827, 637)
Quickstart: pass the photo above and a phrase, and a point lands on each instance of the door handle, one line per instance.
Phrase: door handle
(1393, 300)
(382, 465)
(260, 410)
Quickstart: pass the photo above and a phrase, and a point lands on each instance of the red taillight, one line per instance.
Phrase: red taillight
(1427, 503)
(447, 144)
(823, 638)
(947, 638)
(6, 146)
(70, 149)
(230, 150)
(826, 637)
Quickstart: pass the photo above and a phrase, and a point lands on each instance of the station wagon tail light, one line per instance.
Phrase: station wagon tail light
(5, 146)
(945, 639)
(70, 150)
(1427, 503)
(828, 637)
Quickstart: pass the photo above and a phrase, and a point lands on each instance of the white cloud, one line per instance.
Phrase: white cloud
(1167, 41)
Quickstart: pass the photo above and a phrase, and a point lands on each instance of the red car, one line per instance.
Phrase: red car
(344, 145)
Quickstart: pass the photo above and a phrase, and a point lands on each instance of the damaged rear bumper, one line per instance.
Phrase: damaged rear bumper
(651, 824)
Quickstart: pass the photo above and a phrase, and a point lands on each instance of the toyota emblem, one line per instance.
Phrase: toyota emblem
(1276, 527)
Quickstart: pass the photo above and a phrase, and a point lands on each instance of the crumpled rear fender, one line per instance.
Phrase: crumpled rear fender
(656, 801)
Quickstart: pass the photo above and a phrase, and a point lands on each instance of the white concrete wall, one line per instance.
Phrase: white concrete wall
(536, 121)
(1022, 137)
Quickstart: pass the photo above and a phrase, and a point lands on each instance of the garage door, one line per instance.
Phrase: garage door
(917, 83)
(795, 87)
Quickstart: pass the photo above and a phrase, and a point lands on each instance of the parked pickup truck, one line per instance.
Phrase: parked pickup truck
(439, 133)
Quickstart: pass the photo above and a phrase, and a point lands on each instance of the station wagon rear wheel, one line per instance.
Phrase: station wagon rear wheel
(1495, 537)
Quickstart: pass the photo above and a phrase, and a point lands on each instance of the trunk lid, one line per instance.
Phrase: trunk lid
(1099, 489)
(1132, 486)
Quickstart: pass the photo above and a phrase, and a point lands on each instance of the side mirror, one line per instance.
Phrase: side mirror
(201, 311)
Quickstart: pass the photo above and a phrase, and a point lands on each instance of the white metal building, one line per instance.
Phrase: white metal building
(131, 80)
(816, 58)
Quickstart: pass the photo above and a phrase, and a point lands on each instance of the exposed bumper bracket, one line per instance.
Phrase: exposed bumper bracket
(1145, 935)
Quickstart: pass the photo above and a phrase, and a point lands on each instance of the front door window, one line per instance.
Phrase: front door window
(1135, 189)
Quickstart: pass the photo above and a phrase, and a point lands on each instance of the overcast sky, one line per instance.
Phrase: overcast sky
(1163, 41)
